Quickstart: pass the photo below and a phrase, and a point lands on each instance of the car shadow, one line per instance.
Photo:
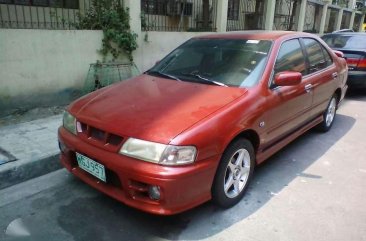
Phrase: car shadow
(112, 220)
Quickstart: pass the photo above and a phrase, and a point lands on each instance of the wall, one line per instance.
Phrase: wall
(44, 67)
(48, 67)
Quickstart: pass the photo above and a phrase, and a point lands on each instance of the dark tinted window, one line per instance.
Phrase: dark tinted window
(316, 55)
(291, 58)
(346, 41)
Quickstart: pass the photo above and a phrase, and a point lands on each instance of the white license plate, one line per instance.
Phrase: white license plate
(93, 167)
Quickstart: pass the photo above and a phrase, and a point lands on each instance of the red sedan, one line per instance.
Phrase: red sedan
(193, 127)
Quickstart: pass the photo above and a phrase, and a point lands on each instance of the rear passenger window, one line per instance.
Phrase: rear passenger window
(318, 56)
(290, 58)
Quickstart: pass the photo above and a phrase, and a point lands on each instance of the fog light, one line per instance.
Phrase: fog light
(154, 192)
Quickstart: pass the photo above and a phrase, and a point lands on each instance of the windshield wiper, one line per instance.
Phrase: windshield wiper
(163, 74)
(205, 79)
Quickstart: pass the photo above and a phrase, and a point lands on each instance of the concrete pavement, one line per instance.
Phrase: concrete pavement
(31, 147)
(314, 189)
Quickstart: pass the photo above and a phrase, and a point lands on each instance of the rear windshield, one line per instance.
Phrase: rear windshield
(346, 41)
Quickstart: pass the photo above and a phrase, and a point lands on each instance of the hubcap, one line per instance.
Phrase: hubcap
(237, 173)
(330, 112)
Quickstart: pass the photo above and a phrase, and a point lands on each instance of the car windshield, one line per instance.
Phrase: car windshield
(346, 41)
(225, 62)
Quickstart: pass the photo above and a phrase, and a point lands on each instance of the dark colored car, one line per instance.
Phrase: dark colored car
(353, 46)
(193, 127)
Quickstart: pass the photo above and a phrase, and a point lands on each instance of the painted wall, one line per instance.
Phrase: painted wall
(44, 67)
(49, 67)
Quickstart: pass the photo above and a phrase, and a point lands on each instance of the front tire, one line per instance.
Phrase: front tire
(234, 173)
(329, 115)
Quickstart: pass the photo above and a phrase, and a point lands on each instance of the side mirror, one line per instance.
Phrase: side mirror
(339, 53)
(287, 78)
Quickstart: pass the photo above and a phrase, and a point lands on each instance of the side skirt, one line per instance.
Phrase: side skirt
(263, 154)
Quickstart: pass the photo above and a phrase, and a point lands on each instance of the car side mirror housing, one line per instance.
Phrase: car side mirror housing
(339, 53)
(288, 78)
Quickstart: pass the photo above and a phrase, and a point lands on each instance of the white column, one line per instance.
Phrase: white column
(269, 14)
(339, 19)
(324, 17)
(300, 24)
(221, 18)
(135, 15)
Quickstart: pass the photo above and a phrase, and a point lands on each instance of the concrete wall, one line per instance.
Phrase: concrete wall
(49, 67)
(44, 67)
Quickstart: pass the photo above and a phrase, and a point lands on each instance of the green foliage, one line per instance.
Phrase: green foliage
(111, 17)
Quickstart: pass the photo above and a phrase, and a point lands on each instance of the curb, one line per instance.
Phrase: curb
(19, 171)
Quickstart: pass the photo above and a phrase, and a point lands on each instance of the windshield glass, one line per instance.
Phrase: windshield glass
(345, 41)
(225, 62)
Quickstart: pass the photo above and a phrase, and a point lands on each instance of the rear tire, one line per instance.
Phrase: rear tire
(328, 115)
(234, 173)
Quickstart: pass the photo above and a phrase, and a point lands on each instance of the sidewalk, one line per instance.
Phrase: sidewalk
(31, 149)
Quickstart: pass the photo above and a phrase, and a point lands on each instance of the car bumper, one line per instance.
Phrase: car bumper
(356, 79)
(128, 179)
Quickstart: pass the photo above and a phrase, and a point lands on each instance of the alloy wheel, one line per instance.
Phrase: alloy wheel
(237, 173)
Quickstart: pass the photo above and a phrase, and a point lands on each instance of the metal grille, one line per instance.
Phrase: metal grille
(41, 14)
(313, 17)
(178, 15)
(286, 15)
(357, 22)
(103, 74)
(245, 15)
(346, 19)
(331, 20)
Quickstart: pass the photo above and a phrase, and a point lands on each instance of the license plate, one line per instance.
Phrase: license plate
(91, 166)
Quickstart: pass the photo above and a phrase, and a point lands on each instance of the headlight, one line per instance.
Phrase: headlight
(158, 153)
(69, 122)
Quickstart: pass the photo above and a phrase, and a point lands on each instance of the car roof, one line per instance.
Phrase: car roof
(255, 34)
(345, 33)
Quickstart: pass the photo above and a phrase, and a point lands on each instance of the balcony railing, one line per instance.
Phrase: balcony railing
(178, 15)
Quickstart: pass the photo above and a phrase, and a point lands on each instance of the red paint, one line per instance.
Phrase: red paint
(206, 116)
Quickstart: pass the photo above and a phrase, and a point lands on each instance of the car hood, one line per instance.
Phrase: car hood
(152, 108)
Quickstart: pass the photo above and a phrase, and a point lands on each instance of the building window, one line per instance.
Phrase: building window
(233, 10)
(156, 7)
(72, 4)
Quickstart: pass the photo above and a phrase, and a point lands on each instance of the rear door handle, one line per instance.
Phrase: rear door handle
(308, 87)
(335, 75)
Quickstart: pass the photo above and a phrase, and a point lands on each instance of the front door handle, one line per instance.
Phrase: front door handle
(335, 75)
(308, 87)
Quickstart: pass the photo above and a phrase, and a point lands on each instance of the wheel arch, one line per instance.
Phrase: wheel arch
(250, 135)
(338, 94)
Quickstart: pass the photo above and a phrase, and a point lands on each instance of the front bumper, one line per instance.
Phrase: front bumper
(356, 79)
(128, 179)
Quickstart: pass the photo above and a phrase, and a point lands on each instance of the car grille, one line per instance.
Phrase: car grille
(98, 136)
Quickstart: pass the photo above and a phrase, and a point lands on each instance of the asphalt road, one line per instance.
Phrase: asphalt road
(314, 189)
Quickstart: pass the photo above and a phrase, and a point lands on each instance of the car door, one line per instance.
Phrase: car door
(288, 105)
(321, 74)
